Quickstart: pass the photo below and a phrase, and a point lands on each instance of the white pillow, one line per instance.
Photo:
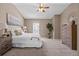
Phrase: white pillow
(13, 28)
(14, 33)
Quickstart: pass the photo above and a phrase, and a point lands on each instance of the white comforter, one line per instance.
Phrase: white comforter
(25, 40)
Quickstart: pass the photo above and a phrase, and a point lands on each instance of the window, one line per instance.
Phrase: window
(35, 27)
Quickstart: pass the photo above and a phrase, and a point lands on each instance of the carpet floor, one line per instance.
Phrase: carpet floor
(51, 47)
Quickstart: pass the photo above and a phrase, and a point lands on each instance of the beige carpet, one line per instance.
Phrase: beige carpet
(51, 48)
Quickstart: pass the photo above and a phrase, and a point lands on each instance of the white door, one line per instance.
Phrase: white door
(35, 27)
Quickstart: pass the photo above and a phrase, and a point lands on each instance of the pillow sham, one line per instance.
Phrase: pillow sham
(18, 32)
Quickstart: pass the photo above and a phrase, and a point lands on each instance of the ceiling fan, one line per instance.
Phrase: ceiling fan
(42, 7)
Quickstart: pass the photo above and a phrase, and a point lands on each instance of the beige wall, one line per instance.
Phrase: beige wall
(71, 10)
(8, 8)
(56, 27)
(42, 22)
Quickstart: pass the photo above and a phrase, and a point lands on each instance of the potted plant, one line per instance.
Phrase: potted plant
(50, 28)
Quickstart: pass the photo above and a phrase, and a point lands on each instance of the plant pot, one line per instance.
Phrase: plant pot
(49, 34)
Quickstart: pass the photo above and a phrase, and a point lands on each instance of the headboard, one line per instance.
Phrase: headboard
(12, 28)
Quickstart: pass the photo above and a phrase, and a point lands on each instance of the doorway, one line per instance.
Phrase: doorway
(36, 28)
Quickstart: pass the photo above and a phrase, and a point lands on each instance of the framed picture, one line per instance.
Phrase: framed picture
(13, 20)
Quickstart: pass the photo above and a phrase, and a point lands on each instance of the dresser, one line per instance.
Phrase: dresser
(5, 43)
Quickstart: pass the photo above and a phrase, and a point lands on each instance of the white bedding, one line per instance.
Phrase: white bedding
(25, 40)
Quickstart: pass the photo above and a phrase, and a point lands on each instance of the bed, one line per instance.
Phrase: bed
(27, 40)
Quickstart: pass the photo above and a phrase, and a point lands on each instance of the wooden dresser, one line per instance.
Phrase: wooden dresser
(5, 43)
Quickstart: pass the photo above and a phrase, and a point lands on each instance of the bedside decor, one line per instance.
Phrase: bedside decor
(5, 33)
(24, 28)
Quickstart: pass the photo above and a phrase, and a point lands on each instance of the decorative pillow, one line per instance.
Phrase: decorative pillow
(18, 32)
(24, 29)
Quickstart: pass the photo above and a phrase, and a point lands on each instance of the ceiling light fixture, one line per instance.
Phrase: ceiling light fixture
(42, 7)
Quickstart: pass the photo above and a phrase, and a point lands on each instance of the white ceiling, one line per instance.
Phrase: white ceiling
(29, 10)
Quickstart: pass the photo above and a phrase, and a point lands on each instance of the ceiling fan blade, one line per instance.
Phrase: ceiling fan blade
(46, 7)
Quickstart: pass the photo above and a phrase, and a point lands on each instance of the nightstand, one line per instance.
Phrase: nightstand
(5, 43)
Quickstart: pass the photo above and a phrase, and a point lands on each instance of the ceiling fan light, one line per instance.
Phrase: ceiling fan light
(41, 10)
(41, 5)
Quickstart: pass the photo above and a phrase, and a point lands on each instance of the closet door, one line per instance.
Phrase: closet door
(74, 35)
